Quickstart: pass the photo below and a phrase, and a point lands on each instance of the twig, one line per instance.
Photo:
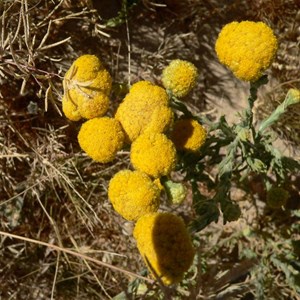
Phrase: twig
(80, 255)
(55, 276)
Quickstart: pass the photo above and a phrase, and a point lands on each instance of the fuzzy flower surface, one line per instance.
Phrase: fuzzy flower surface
(158, 184)
(154, 154)
(246, 48)
(101, 138)
(87, 85)
(188, 135)
(179, 77)
(145, 105)
(165, 245)
(70, 109)
(294, 94)
(133, 194)
(161, 120)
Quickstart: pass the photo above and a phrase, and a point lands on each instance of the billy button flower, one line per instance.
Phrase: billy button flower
(87, 85)
(154, 154)
(246, 48)
(165, 245)
(161, 120)
(133, 194)
(179, 77)
(88, 106)
(70, 109)
(90, 68)
(101, 138)
(188, 135)
(146, 105)
(158, 183)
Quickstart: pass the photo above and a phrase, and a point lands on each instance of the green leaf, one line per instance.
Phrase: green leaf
(122, 14)
(226, 165)
(292, 97)
(207, 213)
(256, 165)
(243, 133)
(288, 270)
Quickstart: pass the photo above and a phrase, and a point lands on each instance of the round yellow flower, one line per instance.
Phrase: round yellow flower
(246, 48)
(101, 138)
(101, 83)
(70, 109)
(144, 104)
(133, 194)
(93, 107)
(188, 135)
(165, 245)
(161, 120)
(85, 67)
(294, 94)
(154, 154)
(87, 85)
(146, 89)
(179, 77)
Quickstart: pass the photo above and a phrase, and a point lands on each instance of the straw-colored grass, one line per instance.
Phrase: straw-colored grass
(59, 236)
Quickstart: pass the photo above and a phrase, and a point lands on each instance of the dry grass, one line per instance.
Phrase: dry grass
(59, 237)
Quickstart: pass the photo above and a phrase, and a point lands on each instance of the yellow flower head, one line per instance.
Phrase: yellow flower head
(246, 48)
(188, 135)
(133, 194)
(87, 85)
(277, 197)
(158, 184)
(161, 120)
(179, 77)
(165, 245)
(96, 106)
(146, 89)
(101, 138)
(70, 109)
(294, 94)
(154, 154)
(85, 68)
(84, 105)
(145, 105)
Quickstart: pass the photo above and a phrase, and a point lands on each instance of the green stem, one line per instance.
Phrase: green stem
(254, 86)
(178, 105)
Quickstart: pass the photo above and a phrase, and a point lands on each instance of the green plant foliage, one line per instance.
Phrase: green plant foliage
(238, 151)
(122, 16)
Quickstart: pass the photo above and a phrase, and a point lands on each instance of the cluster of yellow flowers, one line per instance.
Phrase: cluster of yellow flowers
(246, 48)
(87, 86)
(145, 121)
